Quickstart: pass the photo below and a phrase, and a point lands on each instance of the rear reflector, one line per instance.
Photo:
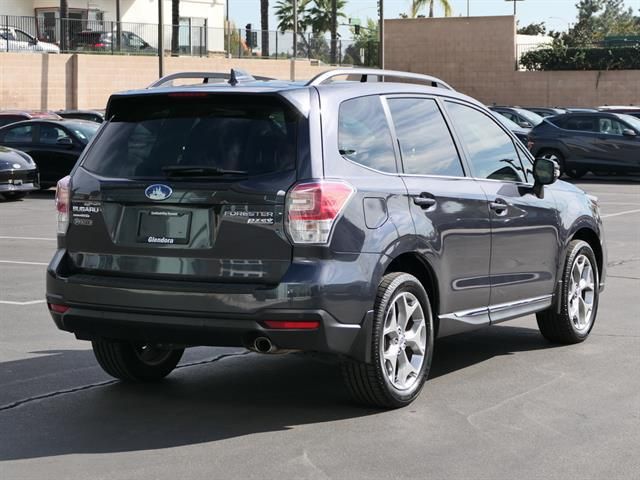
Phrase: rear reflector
(291, 325)
(55, 307)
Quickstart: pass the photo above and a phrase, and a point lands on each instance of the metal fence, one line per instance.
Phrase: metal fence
(100, 36)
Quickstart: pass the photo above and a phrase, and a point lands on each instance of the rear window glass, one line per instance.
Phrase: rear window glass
(255, 135)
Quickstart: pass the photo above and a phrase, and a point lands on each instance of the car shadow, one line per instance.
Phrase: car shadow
(591, 178)
(242, 395)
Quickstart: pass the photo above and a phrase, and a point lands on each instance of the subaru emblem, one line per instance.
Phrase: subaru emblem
(158, 192)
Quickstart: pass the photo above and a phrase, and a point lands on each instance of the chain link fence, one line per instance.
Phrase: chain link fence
(34, 34)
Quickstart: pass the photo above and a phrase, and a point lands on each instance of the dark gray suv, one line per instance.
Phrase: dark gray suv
(357, 218)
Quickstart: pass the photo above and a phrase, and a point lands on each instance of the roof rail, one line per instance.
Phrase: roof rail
(374, 72)
(233, 78)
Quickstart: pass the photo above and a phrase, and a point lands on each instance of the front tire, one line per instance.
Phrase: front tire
(401, 348)
(579, 296)
(136, 362)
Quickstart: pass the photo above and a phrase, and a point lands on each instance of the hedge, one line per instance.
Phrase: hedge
(582, 58)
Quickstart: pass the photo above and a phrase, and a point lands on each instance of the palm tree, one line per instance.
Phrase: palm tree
(264, 26)
(417, 5)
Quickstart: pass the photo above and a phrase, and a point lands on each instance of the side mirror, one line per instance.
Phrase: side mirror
(545, 172)
(524, 124)
(65, 141)
(627, 132)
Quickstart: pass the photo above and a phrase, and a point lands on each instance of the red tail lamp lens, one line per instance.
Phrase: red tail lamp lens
(57, 308)
(291, 325)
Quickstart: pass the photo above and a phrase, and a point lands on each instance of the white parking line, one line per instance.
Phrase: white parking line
(21, 304)
(23, 263)
(621, 213)
(4, 237)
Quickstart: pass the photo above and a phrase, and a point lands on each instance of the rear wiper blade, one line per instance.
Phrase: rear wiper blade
(197, 170)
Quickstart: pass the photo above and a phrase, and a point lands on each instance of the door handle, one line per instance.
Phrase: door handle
(423, 201)
(499, 206)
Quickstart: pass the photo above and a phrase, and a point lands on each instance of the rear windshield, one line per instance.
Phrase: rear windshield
(251, 134)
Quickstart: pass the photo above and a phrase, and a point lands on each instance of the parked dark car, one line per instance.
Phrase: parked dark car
(54, 145)
(13, 116)
(360, 219)
(546, 111)
(91, 115)
(599, 142)
(18, 174)
(524, 118)
(521, 134)
(633, 111)
(106, 42)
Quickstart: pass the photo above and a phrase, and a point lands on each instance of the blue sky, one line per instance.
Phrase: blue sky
(556, 13)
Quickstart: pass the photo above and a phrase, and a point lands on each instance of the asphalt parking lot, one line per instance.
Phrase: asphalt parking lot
(500, 403)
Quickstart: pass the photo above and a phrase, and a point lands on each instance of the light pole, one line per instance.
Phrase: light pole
(468, 8)
(228, 29)
(515, 10)
(381, 53)
(160, 38)
(295, 40)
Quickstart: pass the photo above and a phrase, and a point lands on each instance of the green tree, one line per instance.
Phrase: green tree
(364, 49)
(598, 19)
(533, 29)
(417, 5)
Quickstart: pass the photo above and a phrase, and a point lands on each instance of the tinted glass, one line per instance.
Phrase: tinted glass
(50, 134)
(253, 135)
(363, 134)
(610, 126)
(491, 151)
(582, 124)
(425, 142)
(22, 134)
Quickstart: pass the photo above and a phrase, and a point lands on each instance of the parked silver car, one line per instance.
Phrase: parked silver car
(16, 40)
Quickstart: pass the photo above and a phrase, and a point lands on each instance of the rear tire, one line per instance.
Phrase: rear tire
(401, 346)
(135, 362)
(578, 297)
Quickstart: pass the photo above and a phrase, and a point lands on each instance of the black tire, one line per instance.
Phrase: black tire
(135, 362)
(9, 196)
(369, 383)
(575, 172)
(557, 325)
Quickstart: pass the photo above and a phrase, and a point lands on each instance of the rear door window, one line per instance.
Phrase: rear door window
(50, 134)
(21, 134)
(363, 134)
(425, 141)
(582, 124)
(245, 135)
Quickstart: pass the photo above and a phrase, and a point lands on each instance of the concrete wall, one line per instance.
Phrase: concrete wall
(51, 82)
(477, 56)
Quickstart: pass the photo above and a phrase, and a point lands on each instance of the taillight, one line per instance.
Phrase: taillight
(57, 308)
(62, 204)
(99, 45)
(313, 207)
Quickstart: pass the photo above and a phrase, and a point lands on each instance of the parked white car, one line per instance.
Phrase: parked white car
(16, 40)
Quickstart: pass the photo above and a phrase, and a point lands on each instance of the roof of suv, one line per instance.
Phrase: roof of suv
(238, 81)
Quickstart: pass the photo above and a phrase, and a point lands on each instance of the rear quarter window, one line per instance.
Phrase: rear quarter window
(363, 134)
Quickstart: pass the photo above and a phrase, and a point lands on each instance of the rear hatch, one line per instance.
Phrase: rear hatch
(187, 186)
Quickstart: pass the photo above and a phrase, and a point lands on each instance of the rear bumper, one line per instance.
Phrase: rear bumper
(332, 293)
(184, 328)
